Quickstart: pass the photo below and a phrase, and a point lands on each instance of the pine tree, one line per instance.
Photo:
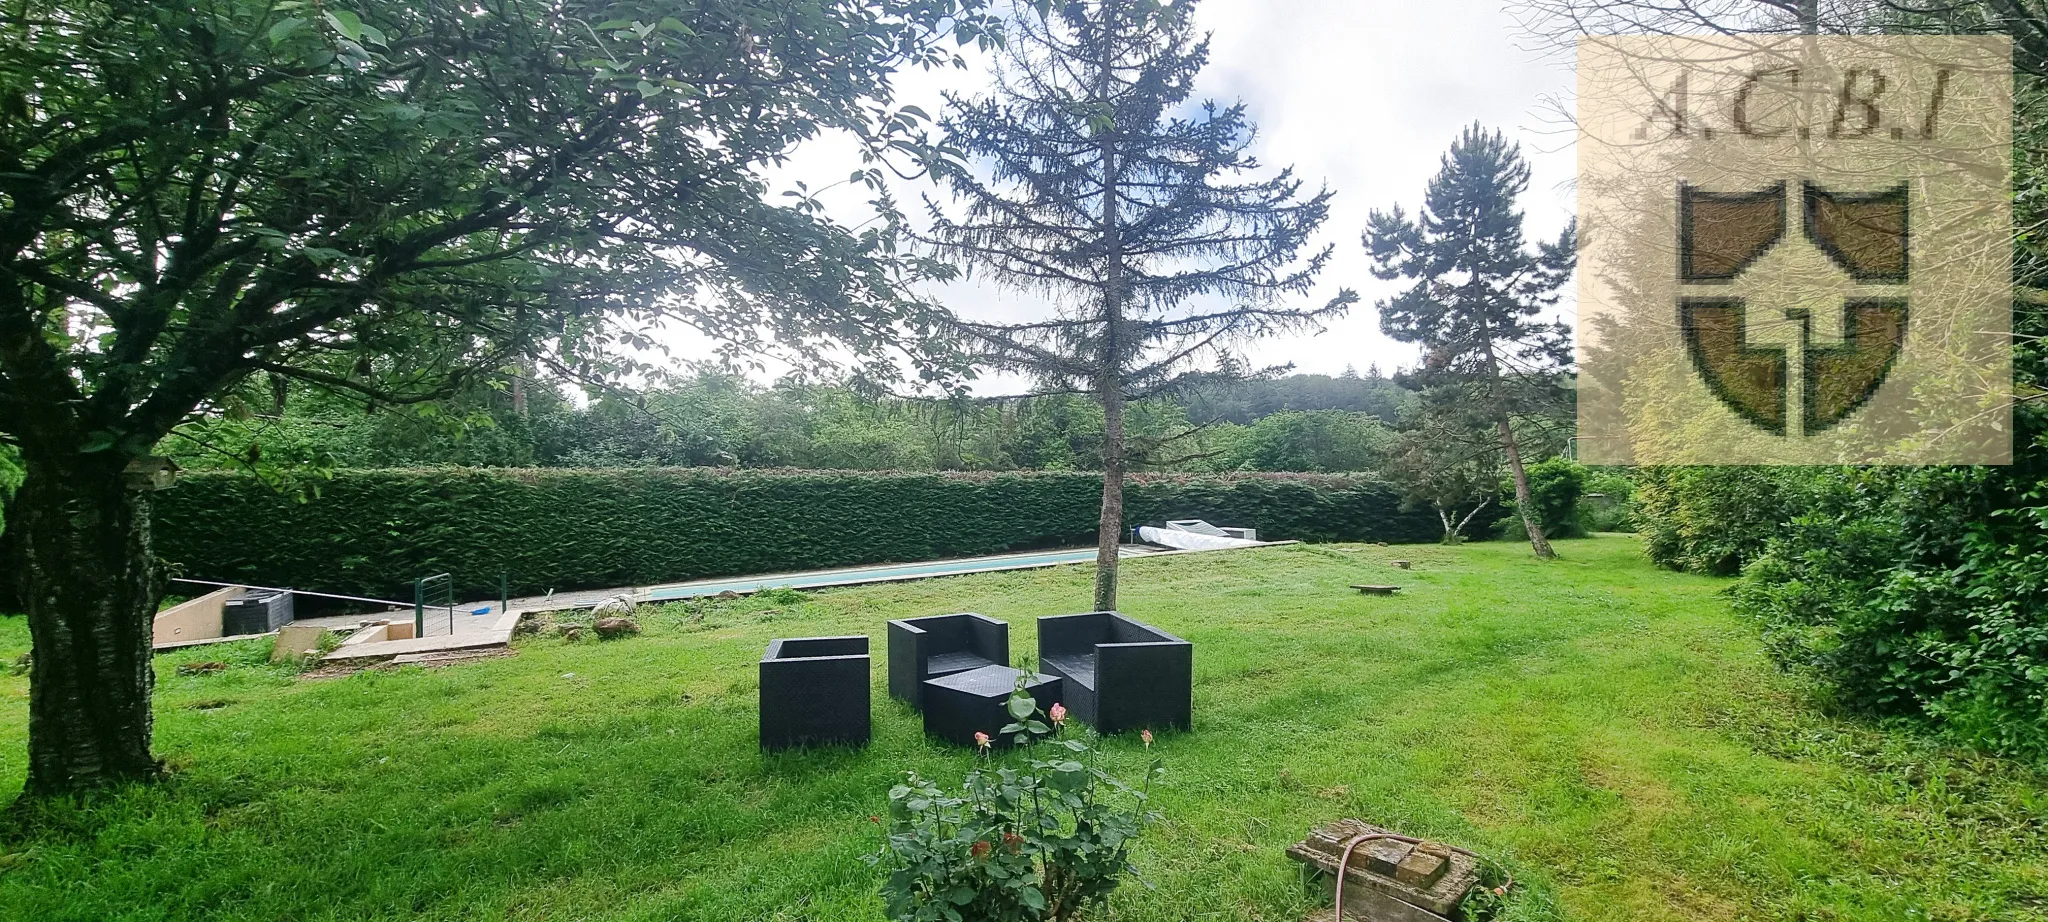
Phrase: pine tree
(1479, 293)
(1090, 177)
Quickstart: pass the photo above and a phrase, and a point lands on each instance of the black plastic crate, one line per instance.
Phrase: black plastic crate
(256, 613)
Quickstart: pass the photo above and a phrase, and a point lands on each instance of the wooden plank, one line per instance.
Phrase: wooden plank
(478, 640)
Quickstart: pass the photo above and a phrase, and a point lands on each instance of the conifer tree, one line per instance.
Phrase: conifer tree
(1479, 293)
(1090, 177)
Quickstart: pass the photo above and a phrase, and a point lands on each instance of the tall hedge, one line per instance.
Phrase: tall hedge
(371, 532)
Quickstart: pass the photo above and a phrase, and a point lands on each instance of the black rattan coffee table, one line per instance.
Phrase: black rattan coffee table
(965, 703)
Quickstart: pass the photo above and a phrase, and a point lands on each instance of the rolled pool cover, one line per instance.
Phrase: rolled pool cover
(1188, 540)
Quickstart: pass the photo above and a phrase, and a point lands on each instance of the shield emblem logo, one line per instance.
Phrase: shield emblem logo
(1864, 236)
(1794, 250)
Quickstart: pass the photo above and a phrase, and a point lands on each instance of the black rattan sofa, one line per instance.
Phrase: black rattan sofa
(814, 690)
(941, 645)
(1119, 674)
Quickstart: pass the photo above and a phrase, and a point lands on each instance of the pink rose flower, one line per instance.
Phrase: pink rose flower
(981, 740)
(1058, 714)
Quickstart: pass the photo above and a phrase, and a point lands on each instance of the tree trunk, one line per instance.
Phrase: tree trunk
(82, 559)
(1523, 503)
(1454, 529)
(1109, 533)
(1109, 383)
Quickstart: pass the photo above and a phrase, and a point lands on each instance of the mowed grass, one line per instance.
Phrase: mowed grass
(1608, 731)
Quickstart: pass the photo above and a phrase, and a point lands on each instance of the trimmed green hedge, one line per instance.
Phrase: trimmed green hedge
(373, 532)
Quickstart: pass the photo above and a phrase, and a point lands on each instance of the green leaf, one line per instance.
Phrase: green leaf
(348, 24)
(1021, 706)
(284, 28)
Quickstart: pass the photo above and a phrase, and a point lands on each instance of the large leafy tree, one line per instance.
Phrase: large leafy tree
(1091, 177)
(1478, 294)
(384, 198)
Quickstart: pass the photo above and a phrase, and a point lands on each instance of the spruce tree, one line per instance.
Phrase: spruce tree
(1090, 177)
(1479, 293)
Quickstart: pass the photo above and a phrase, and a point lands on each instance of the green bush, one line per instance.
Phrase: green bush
(1609, 501)
(1715, 519)
(1555, 485)
(1038, 836)
(1920, 592)
(10, 480)
(373, 532)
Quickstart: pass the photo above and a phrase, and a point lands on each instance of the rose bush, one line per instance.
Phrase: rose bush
(1037, 835)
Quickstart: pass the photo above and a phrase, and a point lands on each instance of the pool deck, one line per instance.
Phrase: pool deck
(491, 627)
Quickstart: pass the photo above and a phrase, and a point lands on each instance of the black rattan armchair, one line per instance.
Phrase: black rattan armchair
(814, 690)
(1119, 674)
(941, 645)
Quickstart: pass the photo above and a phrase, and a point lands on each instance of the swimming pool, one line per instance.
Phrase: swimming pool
(876, 574)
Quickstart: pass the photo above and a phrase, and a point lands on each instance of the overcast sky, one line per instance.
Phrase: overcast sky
(1363, 96)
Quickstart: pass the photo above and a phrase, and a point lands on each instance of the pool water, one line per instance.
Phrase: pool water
(876, 574)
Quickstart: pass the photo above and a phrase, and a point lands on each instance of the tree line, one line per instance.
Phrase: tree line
(1306, 423)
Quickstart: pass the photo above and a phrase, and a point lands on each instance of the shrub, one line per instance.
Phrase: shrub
(1609, 501)
(1919, 592)
(373, 532)
(1715, 519)
(1039, 839)
(10, 480)
(1555, 485)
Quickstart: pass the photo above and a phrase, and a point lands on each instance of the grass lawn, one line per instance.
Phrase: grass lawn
(1610, 731)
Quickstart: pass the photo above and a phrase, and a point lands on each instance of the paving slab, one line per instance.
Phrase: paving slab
(481, 640)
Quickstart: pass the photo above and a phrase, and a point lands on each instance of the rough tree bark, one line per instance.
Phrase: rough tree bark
(1524, 503)
(1110, 378)
(80, 542)
(1109, 533)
